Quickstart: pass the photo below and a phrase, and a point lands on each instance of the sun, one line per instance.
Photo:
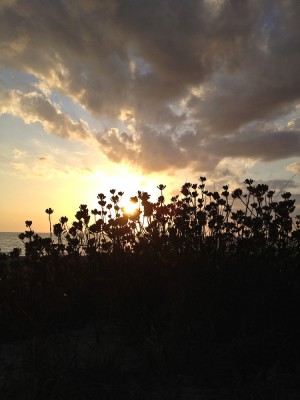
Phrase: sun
(129, 207)
(123, 179)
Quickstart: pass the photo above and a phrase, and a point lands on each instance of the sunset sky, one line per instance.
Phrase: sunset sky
(128, 94)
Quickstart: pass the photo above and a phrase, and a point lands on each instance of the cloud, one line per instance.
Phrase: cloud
(279, 184)
(18, 154)
(35, 107)
(151, 57)
(118, 146)
(262, 145)
(7, 3)
(46, 167)
(294, 124)
(154, 150)
(253, 144)
(294, 168)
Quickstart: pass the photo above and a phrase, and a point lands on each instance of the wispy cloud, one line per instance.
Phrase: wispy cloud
(45, 163)
(294, 168)
(18, 154)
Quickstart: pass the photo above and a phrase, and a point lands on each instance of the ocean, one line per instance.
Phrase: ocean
(9, 240)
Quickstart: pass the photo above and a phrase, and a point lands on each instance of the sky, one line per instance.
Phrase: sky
(128, 94)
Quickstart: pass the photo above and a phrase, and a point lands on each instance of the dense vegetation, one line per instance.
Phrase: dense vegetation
(195, 297)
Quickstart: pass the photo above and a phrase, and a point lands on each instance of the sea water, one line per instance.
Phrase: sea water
(10, 240)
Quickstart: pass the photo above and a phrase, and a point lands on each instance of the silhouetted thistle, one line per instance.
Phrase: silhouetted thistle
(49, 211)
(28, 224)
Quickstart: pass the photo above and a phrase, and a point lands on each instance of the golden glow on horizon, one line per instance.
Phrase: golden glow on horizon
(123, 179)
(65, 192)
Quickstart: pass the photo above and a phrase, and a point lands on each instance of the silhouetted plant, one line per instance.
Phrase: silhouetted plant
(3, 261)
(49, 211)
(198, 221)
(208, 283)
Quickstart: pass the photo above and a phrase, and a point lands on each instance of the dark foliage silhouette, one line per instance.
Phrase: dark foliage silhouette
(251, 221)
(201, 293)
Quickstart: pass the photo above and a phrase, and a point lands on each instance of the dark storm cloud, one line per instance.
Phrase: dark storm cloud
(194, 73)
(256, 143)
(151, 150)
(268, 146)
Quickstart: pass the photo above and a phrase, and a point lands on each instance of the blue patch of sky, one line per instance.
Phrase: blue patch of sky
(15, 80)
(271, 18)
(142, 67)
(76, 112)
